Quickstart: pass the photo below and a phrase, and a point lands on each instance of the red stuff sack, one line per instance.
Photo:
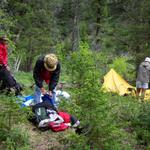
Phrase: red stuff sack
(57, 127)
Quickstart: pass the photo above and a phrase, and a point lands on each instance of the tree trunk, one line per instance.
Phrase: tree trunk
(75, 33)
(98, 21)
(17, 63)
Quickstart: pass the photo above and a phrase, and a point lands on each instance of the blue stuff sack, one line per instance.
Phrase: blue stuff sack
(48, 98)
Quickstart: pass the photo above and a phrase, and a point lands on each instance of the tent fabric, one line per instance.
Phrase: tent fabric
(147, 95)
(113, 82)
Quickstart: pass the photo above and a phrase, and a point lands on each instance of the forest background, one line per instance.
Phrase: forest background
(89, 37)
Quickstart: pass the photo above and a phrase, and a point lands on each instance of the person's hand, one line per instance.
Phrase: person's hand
(43, 91)
(50, 93)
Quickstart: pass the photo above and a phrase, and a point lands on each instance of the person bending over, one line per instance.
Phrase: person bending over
(47, 68)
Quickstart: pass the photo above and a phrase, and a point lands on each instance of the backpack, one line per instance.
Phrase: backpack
(40, 111)
(38, 115)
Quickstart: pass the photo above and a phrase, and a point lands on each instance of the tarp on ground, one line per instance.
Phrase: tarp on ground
(113, 82)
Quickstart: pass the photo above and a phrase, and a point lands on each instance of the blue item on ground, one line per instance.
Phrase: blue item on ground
(29, 97)
(26, 100)
(37, 95)
(47, 97)
(29, 100)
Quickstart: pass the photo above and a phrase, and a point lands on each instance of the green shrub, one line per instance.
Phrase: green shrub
(11, 112)
(94, 107)
(124, 66)
(142, 124)
(11, 115)
(17, 139)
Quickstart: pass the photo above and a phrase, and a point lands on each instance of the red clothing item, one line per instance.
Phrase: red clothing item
(46, 76)
(56, 128)
(3, 54)
(62, 125)
(65, 116)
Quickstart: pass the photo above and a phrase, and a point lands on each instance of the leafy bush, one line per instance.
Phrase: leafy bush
(94, 107)
(141, 124)
(12, 114)
(17, 139)
(123, 67)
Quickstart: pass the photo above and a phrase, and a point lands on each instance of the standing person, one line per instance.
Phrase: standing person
(6, 79)
(47, 68)
(143, 77)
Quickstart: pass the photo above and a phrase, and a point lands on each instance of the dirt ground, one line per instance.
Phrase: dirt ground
(46, 140)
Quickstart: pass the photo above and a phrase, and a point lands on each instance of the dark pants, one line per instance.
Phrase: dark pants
(7, 81)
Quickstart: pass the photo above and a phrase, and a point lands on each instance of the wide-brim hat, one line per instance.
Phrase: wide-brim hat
(50, 62)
